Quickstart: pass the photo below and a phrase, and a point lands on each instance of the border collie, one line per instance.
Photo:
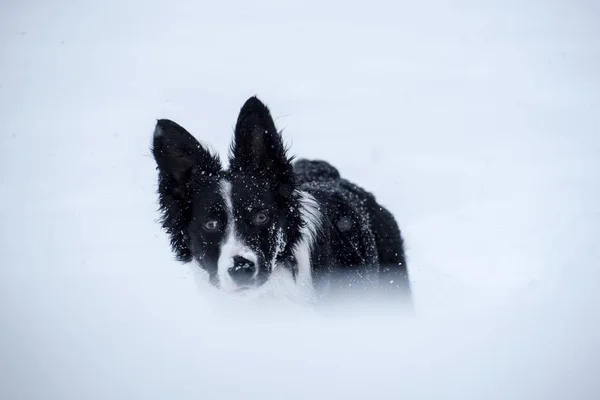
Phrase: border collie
(271, 222)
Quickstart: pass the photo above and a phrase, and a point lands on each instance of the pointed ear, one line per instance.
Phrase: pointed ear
(258, 147)
(179, 155)
(180, 158)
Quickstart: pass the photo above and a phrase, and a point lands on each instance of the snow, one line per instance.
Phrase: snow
(476, 123)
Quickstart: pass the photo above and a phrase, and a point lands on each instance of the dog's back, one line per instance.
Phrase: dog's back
(362, 244)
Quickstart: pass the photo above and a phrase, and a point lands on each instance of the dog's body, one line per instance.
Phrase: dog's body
(268, 221)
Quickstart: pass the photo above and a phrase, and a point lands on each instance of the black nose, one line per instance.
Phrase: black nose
(242, 271)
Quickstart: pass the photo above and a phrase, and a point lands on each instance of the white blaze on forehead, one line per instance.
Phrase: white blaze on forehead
(232, 246)
(225, 189)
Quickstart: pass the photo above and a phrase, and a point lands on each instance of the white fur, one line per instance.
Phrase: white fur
(281, 283)
(311, 217)
(279, 246)
(232, 246)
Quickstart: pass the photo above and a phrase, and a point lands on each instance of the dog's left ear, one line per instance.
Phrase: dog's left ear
(258, 148)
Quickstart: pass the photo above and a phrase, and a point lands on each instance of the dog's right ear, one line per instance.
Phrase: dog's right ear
(181, 160)
(179, 155)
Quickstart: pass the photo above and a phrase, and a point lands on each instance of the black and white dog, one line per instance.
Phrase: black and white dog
(268, 223)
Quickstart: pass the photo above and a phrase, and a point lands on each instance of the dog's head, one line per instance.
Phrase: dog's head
(237, 224)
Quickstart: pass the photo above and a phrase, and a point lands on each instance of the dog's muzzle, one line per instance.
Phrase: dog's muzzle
(243, 271)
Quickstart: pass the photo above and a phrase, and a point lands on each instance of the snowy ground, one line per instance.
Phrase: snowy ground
(476, 124)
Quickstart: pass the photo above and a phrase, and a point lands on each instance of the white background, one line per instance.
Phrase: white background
(477, 124)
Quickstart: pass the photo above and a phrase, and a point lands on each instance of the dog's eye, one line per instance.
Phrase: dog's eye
(211, 225)
(260, 218)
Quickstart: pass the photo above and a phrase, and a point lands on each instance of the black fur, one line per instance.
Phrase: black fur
(358, 243)
(262, 175)
(366, 242)
(185, 168)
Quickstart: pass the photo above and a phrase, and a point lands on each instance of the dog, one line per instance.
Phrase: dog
(270, 221)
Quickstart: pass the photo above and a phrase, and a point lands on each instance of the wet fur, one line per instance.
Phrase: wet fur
(324, 232)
